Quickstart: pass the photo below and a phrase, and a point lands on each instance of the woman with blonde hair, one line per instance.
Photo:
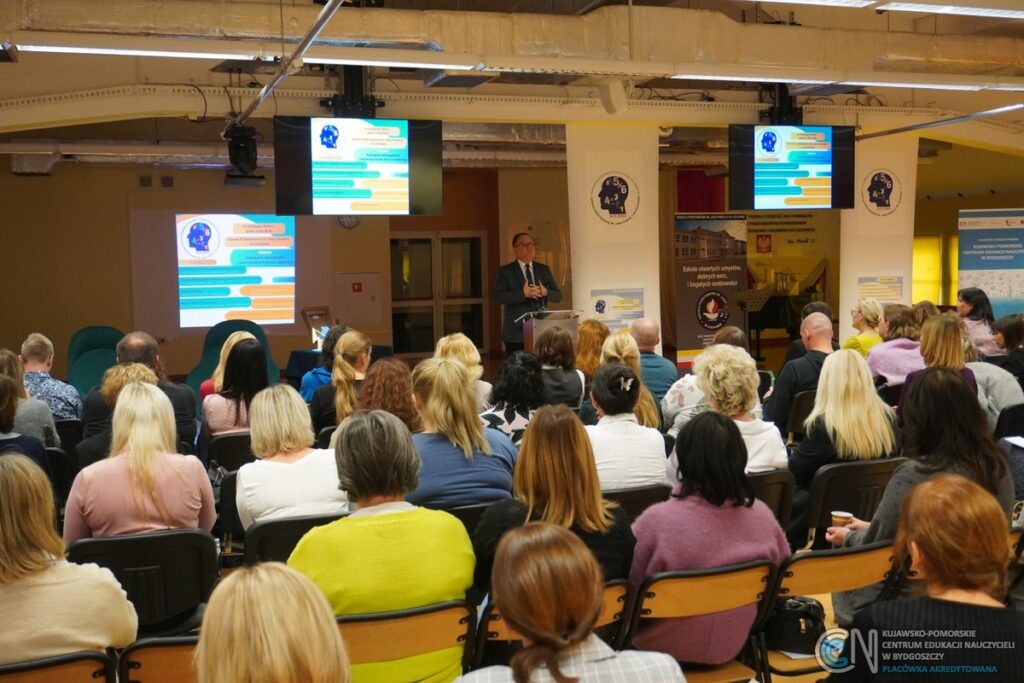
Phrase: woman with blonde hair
(335, 401)
(51, 606)
(589, 341)
(289, 477)
(32, 417)
(549, 589)
(899, 354)
(728, 377)
(215, 383)
(463, 463)
(556, 482)
(268, 623)
(95, 448)
(461, 348)
(953, 533)
(865, 316)
(942, 346)
(622, 348)
(144, 485)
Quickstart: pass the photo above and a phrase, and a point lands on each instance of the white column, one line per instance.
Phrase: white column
(877, 235)
(613, 211)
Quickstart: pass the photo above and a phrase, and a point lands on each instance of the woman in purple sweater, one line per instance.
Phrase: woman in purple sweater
(712, 521)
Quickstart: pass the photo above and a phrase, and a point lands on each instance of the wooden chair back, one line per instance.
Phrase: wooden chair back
(389, 636)
(77, 667)
(159, 660)
(833, 571)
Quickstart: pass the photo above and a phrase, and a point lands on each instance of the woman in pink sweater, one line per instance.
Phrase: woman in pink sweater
(712, 521)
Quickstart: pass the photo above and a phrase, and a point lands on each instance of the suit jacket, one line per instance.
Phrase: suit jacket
(509, 291)
(96, 414)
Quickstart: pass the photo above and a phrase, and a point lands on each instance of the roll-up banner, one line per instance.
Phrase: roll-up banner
(992, 256)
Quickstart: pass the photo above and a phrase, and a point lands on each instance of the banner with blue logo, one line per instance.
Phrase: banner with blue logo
(992, 256)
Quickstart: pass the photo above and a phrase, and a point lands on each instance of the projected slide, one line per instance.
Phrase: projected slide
(235, 266)
(792, 167)
(359, 166)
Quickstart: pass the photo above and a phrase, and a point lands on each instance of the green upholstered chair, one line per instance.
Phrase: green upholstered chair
(215, 339)
(90, 352)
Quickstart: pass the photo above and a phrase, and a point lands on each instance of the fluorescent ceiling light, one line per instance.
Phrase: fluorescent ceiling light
(410, 64)
(131, 52)
(828, 3)
(922, 85)
(964, 8)
(751, 77)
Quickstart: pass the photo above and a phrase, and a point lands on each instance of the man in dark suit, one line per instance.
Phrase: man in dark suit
(523, 286)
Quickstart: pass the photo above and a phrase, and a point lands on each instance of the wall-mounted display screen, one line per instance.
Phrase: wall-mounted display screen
(791, 167)
(351, 167)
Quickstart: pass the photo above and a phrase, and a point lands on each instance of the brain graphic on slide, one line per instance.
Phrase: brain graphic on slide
(199, 236)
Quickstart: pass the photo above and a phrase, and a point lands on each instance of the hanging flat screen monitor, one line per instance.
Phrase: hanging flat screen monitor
(356, 167)
(791, 167)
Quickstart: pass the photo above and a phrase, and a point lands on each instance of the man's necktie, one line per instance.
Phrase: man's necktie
(529, 274)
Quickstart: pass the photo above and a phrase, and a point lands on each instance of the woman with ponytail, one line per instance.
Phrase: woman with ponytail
(622, 348)
(549, 587)
(463, 463)
(335, 401)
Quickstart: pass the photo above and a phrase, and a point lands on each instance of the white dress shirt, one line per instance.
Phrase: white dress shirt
(627, 455)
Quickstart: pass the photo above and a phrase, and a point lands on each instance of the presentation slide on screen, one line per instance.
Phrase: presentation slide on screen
(792, 167)
(359, 166)
(235, 266)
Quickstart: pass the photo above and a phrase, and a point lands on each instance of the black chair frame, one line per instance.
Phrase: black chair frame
(634, 501)
(274, 539)
(107, 667)
(855, 487)
(775, 489)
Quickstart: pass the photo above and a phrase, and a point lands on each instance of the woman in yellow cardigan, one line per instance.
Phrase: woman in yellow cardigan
(865, 317)
(389, 554)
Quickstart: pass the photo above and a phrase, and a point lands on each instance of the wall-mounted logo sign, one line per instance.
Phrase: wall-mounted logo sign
(711, 313)
(764, 244)
(615, 198)
(881, 191)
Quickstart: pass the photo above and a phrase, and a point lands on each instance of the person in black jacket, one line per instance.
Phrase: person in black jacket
(524, 285)
(801, 374)
(796, 347)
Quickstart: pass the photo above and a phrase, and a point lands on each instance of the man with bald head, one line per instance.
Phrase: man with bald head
(800, 374)
(658, 373)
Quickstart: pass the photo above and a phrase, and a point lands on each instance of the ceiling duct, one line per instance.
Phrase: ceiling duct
(451, 78)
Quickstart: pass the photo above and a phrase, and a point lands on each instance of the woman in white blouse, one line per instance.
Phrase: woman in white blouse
(289, 478)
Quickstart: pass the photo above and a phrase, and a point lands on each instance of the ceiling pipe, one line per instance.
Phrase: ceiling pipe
(943, 122)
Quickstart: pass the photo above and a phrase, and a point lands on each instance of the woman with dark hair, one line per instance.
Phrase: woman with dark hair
(321, 374)
(973, 305)
(10, 440)
(627, 454)
(245, 375)
(945, 431)
(33, 417)
(953, 533)
(563, 383)
(899, 354)
(712, 520)
(1009, 337)
(388, 386)
(549, 590)
(518, 391)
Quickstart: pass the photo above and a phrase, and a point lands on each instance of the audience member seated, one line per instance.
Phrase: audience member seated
(50, 606)
(321, 374)
(144, 485)
(335, 401)
(463, 463)
(589, 339)
(1009, 337)
(945, 432)
(289, 478)
(245, 375)
(96, 448)
(388, 554)
(658, 372)
(796, 347)
(729, 377)
(10, 440)
(900, 351)
(712, 520)
(997, 388)
(974, 307)
(140, 347)
(37, 358)
(685, 399)
(517, 393)
(563, 383)
(627, 454)
(388, 386)
(215, 384)
(556, 482)
(621, 348)
(461, 348)
(954, 534)
(849, 421)
(923, 310)
(802, 373)
(942, 346)
(549, 590)
(269, 623)
(32, 417)
(864, 318)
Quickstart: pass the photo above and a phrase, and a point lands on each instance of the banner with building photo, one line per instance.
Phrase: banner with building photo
(710, 257)
(992, 256)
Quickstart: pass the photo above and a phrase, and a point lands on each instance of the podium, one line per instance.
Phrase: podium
(535, 323)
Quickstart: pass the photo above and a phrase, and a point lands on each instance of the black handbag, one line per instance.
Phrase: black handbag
(795, 625)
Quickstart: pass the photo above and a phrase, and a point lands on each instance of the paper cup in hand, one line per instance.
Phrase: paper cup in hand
(840, 518)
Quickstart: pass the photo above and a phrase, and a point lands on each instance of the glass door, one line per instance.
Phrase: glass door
(437, 288)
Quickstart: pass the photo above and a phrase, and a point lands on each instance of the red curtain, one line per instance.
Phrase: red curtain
(698, 193)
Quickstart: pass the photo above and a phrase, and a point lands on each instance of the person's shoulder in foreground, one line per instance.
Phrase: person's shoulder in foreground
(594, 661)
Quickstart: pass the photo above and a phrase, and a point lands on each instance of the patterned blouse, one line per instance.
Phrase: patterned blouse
(507, 419)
